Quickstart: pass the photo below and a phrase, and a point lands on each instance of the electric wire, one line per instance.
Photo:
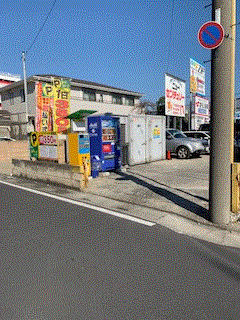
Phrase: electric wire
(42, 26)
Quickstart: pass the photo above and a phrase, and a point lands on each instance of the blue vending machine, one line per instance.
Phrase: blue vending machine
(104, 134)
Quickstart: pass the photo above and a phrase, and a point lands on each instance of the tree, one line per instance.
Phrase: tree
(146, 107)
(161, 106)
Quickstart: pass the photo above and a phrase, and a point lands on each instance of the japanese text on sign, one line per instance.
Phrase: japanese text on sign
(174, 96)
(61, 104)
(197, 78)
(44, 121)
(201, 106)
(47, 139)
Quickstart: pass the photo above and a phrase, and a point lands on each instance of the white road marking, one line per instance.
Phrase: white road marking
(82, 204)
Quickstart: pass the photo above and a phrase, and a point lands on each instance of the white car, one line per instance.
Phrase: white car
(6, 139)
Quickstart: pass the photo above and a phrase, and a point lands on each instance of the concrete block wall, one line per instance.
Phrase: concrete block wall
(63, 174)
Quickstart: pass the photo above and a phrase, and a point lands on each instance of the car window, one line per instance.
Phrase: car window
(177, 133)
(204, 127)
(168, 136)
(190, 134)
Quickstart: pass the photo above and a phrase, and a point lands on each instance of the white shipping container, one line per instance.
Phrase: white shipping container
(156, 138)
(137, 139)
(147, 140)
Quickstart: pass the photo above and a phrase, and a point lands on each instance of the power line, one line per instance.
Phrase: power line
(42, 26)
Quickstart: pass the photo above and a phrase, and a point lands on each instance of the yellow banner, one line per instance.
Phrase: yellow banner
(61, 92)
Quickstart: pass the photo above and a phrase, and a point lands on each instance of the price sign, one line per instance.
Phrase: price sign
(47, 139)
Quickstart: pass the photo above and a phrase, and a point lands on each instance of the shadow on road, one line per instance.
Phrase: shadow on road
(176, 199)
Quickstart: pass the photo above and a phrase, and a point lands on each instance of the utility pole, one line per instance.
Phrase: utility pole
(25, 83)
(222, 113)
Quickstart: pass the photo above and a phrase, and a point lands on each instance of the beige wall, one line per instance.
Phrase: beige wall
(19, 150)
(101, 107)
(77, 103)
(12, 150)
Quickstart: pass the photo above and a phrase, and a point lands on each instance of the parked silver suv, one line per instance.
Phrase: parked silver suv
(202, 135)
(181, 145)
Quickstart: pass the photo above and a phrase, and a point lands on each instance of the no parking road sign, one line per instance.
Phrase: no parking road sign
(211, 35)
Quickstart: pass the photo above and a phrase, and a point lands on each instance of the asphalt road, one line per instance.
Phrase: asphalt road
(63, 261)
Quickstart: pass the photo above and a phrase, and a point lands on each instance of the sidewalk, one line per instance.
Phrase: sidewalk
(172, 193)
(163, 186)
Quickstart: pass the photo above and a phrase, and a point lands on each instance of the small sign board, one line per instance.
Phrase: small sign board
(48, 146)
(211, 35)
(34, 144)
(175, 92)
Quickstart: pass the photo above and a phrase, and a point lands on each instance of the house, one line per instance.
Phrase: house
(5, 121)
(47, 92)
(6, 79)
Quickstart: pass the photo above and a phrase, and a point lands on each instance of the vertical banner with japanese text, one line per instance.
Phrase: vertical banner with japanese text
(48, 103)
(197, 78)
(61, 91)
(53, 105)
(201, 106)
(38, 90)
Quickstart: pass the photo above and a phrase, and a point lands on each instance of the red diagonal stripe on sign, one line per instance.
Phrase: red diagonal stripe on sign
(210, 34)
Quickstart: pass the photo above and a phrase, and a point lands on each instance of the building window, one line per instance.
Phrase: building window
(99, 97)
(89, 95)
(11, 98)
(22, 95)
(116, 99)
(129, 101)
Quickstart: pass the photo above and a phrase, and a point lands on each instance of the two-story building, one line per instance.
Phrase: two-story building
(5, 121)
(84, 95)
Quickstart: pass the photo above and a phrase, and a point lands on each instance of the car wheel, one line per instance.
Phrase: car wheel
(183, 152)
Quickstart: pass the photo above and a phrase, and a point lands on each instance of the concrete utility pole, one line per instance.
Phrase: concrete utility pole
(222, 113)
(25, 82)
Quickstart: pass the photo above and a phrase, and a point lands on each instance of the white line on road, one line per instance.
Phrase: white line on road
(82, 204)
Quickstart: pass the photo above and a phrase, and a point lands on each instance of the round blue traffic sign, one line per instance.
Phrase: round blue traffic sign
(210, 35)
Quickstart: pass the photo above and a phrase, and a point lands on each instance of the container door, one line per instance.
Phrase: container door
(137, 142)
(156, 140)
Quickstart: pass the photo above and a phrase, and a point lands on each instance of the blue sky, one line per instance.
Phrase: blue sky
(125, 44)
